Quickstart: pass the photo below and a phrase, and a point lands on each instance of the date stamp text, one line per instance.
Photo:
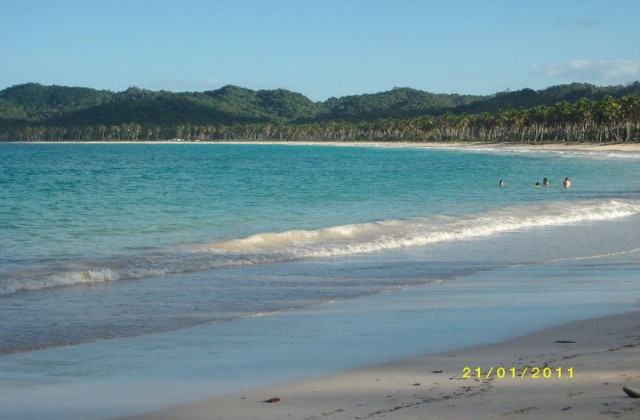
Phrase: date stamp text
(526, 372)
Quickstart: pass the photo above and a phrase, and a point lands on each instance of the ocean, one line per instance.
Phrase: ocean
(139, 276)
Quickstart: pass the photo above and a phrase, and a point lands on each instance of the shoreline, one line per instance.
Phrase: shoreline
(582, 147)
(602, 353)
(604, 147)
(156, 372)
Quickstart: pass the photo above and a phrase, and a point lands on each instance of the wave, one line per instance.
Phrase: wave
(335, 241)
(595, 154)
(393, 234)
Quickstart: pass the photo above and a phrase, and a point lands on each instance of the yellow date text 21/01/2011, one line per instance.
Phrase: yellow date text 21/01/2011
(526, 372)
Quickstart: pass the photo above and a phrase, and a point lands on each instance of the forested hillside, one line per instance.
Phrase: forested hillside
(575, 112)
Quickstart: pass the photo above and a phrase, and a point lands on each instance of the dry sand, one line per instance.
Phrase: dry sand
(604, 354)
(590, 147)
(604, 147)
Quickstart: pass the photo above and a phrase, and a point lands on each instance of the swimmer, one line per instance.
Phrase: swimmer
(545, 181)
(537, 185)
(567, 183)
(501, 183)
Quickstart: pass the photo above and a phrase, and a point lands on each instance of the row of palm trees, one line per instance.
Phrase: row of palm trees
(606, 120)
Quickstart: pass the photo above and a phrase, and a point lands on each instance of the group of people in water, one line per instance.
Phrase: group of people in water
(566, 183)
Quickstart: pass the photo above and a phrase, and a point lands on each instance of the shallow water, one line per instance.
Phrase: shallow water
(151, 275)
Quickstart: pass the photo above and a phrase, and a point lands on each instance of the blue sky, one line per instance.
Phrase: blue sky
(320, 48)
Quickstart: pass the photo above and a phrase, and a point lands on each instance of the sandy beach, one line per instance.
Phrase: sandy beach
(604, 147)
(583, 147)
(587, 365)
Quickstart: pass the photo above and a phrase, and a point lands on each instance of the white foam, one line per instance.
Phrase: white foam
(21, 282)
(334, 241)
(393, 234)
(596, 256)
(598, 154)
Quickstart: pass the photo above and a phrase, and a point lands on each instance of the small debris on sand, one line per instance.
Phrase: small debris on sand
(633, 393)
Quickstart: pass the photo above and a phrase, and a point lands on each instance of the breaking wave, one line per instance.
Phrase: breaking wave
(335, 241)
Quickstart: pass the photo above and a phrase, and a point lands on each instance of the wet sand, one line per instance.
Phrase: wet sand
(587, 363)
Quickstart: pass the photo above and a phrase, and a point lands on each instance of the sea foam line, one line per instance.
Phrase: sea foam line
(393, 234)
(335, 241)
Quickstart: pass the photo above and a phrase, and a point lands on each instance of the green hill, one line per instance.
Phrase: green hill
(33, 112)
(396, 103)
(529, 98)
(75, 106)
(34, 102)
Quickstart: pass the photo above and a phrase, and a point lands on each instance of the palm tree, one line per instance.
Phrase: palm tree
(585, 113)
(630, 114)
(609, 114)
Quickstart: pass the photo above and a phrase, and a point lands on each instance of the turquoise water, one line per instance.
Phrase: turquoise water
(201, 264)
(76, 203)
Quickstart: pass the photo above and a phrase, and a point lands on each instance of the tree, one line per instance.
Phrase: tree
(630, 114)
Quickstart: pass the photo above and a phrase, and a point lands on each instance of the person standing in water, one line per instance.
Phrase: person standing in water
(567, 183)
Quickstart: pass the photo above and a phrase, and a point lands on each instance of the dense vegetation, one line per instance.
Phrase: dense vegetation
(575, 112)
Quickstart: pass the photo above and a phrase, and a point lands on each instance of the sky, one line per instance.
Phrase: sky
(320, 48)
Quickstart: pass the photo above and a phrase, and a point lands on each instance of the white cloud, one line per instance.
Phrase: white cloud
(583, 70)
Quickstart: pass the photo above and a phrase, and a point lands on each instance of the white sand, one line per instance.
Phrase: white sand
(604, 147)
(604, 354)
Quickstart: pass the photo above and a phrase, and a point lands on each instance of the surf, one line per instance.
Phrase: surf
(392, 234)
(329, 242)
